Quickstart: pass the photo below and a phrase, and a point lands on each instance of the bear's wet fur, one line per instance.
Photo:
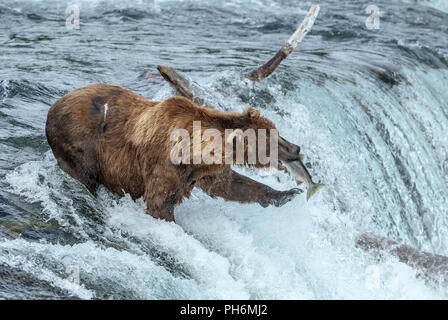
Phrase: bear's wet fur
(109, 135)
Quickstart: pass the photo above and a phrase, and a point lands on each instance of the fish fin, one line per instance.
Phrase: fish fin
(313, 189)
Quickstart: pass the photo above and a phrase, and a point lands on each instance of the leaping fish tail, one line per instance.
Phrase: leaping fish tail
(312, 189)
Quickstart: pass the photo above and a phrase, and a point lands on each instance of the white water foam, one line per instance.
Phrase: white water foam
(353, 133)
(226, 250)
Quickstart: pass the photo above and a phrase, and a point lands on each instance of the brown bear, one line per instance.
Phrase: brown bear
(109, 135)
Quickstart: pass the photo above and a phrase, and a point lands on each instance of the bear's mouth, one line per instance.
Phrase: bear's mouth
(288, 151)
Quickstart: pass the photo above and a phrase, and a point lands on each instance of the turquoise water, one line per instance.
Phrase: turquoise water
(369, 109)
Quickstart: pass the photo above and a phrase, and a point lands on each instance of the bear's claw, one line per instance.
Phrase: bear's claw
(286, 196)
(280, 198)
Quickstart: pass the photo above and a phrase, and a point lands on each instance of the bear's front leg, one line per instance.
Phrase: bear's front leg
(162, 192)
(233, 186)
(164, 210)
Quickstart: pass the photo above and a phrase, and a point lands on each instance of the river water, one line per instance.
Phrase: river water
(369, 108)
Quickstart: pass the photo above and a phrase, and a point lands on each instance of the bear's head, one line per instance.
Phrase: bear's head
(259, 139)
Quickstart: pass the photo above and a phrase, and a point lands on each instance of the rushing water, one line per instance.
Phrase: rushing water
(368, 107)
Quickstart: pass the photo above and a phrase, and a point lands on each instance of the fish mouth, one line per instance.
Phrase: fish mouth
(287, 151)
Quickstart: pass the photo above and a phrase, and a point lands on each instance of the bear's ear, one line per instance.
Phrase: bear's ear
(251, 112)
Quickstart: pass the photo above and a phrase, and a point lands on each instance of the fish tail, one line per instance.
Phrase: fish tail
(313, 189)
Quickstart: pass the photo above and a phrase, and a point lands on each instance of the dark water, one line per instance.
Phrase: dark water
(368, 107)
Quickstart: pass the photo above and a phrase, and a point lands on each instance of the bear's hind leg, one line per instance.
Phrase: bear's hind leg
(79, 161)
(86, 176)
